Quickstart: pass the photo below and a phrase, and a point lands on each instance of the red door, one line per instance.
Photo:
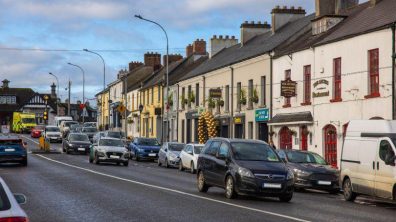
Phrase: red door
(330, 141)
(285, 138)
(304, 138)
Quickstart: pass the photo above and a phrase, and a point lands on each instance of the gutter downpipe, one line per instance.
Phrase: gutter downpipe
(271, 103)
(232, 104)
(393, 69)
(177, 113)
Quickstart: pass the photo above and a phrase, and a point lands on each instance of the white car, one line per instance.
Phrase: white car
(108, 149)
(52, 133)
(189, 157)
(9, 204)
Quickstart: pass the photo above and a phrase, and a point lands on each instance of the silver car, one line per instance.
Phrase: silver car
(169, 154)
(108, 149)
(9, 204)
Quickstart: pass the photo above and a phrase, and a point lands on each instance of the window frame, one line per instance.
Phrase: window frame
(337, 80)
(287, 102)
(373, 73)
(307, 85)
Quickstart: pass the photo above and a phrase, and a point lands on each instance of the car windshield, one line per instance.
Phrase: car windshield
(110, 142)
(89, 130)
(28, 120)
(68, 124)
(52, 129)
(118, 135)
(74, 126)
(250, 151)
(90, 124)
(305, 157)
(197, 149)
(176, 146)
(78, 137)
(148, 142)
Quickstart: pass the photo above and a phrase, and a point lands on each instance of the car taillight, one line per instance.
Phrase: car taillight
(14, 219)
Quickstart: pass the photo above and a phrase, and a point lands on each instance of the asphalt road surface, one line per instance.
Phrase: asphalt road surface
(61, 187)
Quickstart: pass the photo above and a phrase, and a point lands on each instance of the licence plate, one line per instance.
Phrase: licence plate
(81, 149)
(152, 154)
(114, 157)
(272, 185)
(9, 150)
(321, 182)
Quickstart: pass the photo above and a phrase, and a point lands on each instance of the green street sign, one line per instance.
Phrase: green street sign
(262, 115)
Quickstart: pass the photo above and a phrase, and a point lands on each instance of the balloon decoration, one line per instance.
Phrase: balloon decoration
(206, 127)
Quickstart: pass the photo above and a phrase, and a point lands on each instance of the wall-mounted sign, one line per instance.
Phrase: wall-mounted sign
(215, 93)
(288, 88)
(238, 120)
(321, 88)
(262, 115)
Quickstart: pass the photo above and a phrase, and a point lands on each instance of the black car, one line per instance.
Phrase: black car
(245, 167)
(311, 170)
(89, 131)
(76, 142)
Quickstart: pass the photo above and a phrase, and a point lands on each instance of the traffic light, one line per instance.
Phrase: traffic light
(45, 115)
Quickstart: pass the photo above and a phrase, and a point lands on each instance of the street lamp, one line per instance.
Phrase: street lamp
(167, 73)
(82, 70)
(57, 92)
(104, 76)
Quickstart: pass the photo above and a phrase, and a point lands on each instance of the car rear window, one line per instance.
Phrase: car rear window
(4, 202)
(10, 142)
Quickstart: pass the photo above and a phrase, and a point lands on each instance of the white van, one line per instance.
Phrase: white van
(368, 159)
(59, 119)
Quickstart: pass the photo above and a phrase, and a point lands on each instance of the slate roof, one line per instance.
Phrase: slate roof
(291, 117)
(23, 96)
(137, 76)
(257, 46)
(157, 77)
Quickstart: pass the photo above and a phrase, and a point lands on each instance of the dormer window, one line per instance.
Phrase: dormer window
(7, 99)
(325, 23)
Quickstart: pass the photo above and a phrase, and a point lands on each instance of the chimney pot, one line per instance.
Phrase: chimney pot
(232, 37)
(251, 22)
(199, 47)
(220, 36)
(214, 36)
(292, 7)
(226, 36)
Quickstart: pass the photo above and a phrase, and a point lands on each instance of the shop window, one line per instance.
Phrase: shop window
(336, 80)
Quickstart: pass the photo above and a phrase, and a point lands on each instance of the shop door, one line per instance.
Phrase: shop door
(196, 130)
(263, 132)
(188, 140)
(146, 126)
(304, 138)
(285, 138)
(224, 131)
(239, 131)
(330, 142)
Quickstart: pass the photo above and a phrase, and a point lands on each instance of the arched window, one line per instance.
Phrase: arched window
(330, 144)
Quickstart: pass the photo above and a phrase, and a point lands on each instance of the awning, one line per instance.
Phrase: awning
(291, 119)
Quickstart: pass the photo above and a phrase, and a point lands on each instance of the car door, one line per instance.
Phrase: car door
(363, 178)
(210, 162)
(385, 169)
(184, 156)
(221, 166)
(162, 153)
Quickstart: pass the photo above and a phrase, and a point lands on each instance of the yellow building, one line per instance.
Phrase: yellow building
(103, 109)
(151, 116)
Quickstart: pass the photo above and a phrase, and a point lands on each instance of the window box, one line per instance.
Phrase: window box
(374, 95)
(336, 100)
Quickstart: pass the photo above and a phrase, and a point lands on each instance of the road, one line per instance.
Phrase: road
(61, 187)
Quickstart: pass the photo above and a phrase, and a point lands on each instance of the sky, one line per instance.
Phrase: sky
(42, 36)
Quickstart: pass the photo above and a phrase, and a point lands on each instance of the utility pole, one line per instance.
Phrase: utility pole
(126, 105)
(68, 102)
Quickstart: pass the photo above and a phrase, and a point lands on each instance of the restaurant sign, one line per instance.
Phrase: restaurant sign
(215, 93)
(321, 88)
(288, 88)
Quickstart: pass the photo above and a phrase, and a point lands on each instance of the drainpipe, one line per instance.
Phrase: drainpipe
(204, 91)
(271, 90)
(393, 69)
(231, 130)
(177, 114)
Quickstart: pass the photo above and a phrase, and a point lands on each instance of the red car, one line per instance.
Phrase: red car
(36, 131)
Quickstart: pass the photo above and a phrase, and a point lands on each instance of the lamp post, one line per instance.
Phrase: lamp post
(167, 75)
(82, 70)
(104, 76)
(57, 92)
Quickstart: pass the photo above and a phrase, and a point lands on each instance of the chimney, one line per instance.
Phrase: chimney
(252, 29)
(343, 5)
(189, 50)
(153, 59)
(325, 7)
(5, 84)
(219, 43)
(134, 65)
(284, 15)
(53, 93)
(374, 2)
(172, 58)
(199, 47)
(78, 102)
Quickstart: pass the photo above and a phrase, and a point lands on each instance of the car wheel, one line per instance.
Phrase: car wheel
(126, 163)
(96, 159)
(181, 166)
(230, 188)
(166, 163)
(349, 195)
(24, 162)
(286, 197)
(202, 186)
(159, 162)
(192, 168)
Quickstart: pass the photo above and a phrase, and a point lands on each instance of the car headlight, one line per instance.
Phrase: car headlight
(290, 175)
(140, 150)
(245, 172)
(301, 172)
(101, 150)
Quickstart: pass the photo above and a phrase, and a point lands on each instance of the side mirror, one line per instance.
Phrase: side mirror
(190, 152)
(20, 198)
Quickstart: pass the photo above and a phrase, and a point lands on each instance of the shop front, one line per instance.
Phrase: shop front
(239, 124)
(192, 126)
(223, 126)
(261, 118)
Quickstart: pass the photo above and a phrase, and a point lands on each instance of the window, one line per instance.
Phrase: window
(386, 153)
(223, 150)
(287, 76)
(250, 94)
(337, 80)
(373, 68)
(148, 96)
(189, 95)
(144, 98)
(7, 99)
(152, 95)
(227, 98)
(212, 149)
(197, 94)
(238, 96)
(307, 85)
(183, 98)
(263, 91)
(159, 94)
(250, 130)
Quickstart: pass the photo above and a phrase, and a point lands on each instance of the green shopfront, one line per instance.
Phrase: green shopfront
(262, 118)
